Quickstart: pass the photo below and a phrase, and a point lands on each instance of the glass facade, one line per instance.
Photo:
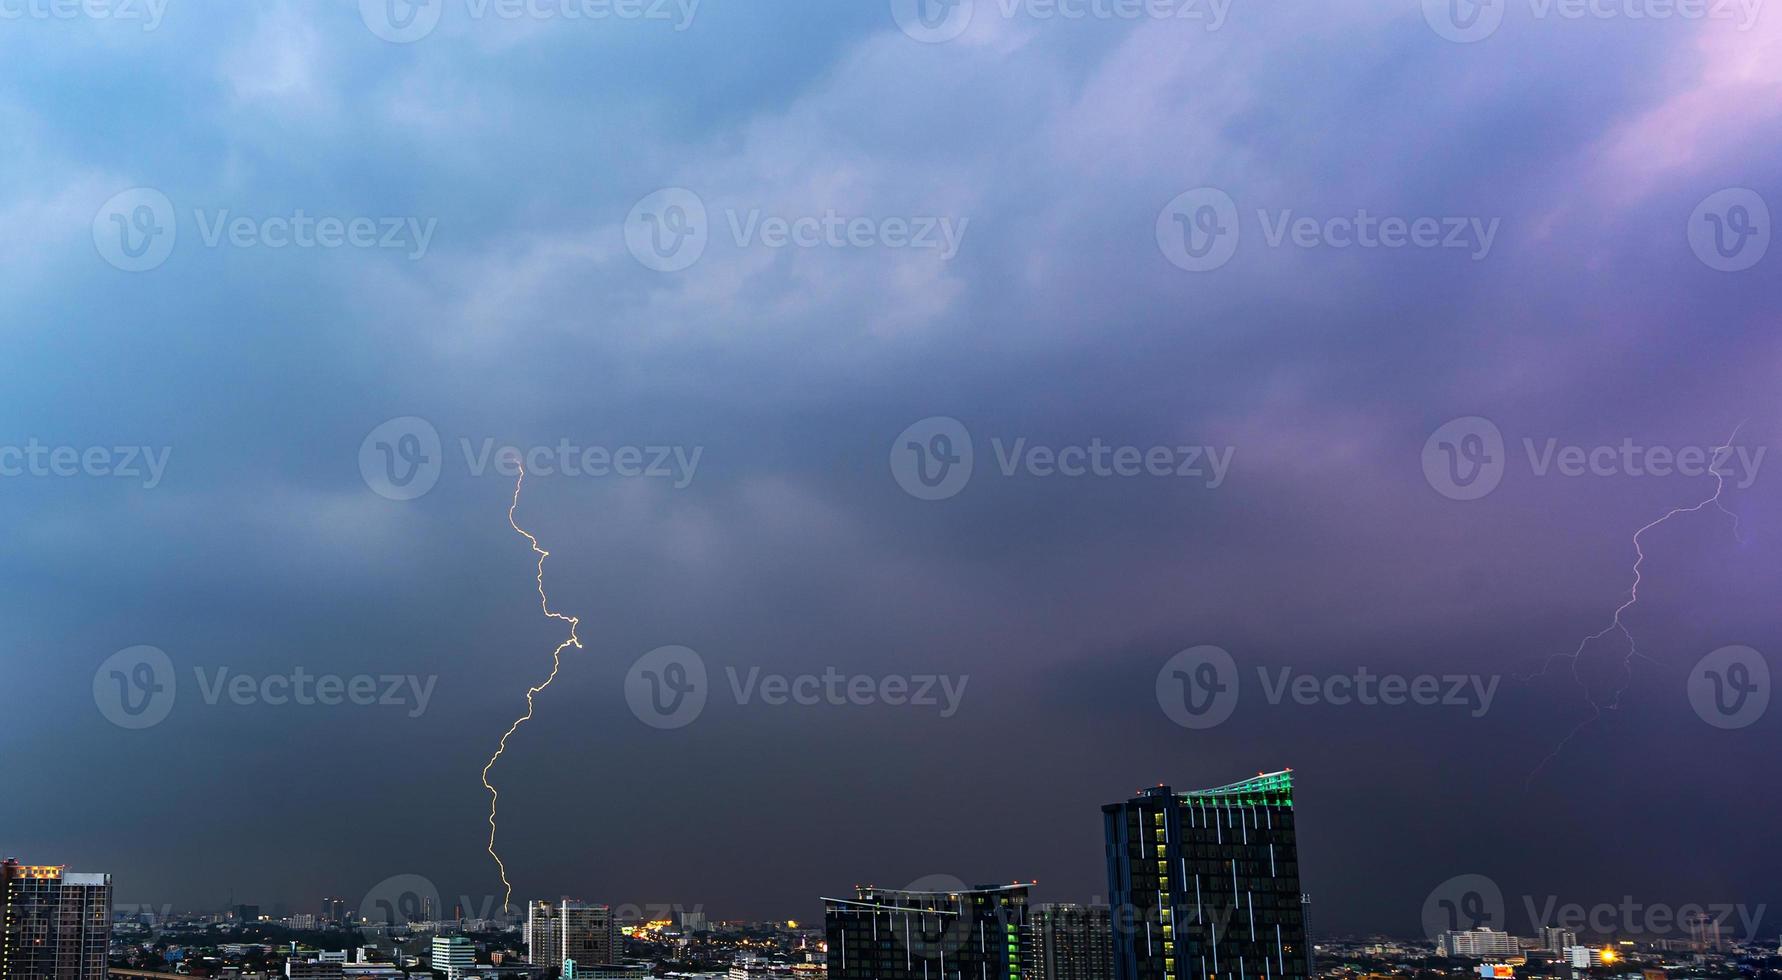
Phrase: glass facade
(1205, 884)
(57, 926)
(970, 934)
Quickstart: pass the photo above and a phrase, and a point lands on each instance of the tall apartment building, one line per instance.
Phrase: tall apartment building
(886, 934)
(1205, 884)
(571, 930)
(55, 925)
(1067, 942)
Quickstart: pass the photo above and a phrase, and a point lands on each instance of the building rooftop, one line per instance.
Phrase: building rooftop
(1264, 789)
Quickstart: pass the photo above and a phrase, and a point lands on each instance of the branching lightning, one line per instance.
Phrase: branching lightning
(1616, 624)
(574, 640)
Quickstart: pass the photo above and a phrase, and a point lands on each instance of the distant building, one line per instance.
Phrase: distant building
(247, 913)
(1557, 939)
(570, 930)
(1583, 957)
(1478, 944)
(1067, 942)
(970, 934)
(53, 924)
(1205, 884)
(455, 955)
(296, 969)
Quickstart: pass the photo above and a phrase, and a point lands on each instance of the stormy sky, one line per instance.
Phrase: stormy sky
(1597, 293)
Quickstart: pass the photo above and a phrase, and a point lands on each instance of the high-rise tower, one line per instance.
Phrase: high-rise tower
(1205, 884)
(56, 925)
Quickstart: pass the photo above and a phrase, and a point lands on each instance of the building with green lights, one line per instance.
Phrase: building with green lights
(886, 934)
(1067, 942)
(1205, 885)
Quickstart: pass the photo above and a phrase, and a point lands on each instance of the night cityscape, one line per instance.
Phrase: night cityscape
(890, 489)
(1203, 883)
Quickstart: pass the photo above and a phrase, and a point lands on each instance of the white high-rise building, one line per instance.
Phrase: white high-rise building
(455, 955)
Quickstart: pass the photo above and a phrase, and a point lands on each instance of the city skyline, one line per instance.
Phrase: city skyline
(943, 417)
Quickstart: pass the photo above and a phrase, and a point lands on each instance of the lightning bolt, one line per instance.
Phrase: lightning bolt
(544, 603)
(1633, 597)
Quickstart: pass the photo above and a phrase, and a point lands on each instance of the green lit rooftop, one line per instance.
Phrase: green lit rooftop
(1263, 789)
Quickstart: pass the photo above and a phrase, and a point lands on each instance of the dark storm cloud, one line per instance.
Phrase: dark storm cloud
(792, 550)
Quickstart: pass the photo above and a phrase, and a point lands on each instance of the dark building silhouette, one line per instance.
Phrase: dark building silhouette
(56, 925)
(1067, 942)
(1205, 884)
(885, 934)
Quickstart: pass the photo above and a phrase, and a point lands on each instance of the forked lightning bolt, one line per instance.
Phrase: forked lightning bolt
(1633, 597)
(544, 603)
